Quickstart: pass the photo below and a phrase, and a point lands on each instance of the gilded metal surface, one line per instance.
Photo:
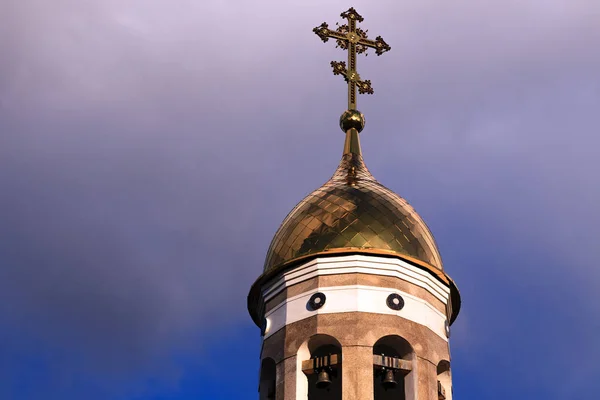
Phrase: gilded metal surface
(352, 119)
(353, 39)
(352, 211)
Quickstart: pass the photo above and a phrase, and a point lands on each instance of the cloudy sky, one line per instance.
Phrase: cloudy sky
(149, 150)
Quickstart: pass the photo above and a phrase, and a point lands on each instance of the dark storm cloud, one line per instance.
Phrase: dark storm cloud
(149, 150)
(125, 227)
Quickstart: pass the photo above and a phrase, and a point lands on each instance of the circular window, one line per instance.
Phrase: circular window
(395, 302)
(316, 301)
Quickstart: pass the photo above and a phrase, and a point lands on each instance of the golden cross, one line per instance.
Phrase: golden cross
(353, 39)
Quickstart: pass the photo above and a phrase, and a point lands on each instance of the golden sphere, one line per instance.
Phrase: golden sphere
(352, 119)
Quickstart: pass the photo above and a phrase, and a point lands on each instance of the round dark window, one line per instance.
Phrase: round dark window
(395, 302)
(316, 301)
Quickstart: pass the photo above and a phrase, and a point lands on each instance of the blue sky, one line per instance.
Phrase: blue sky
(150, 149)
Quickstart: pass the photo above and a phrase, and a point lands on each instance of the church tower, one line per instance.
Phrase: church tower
(354, 302)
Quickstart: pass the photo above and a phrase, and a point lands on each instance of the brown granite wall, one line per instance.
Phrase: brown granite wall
(288, 375)
(357, 332)
(357, 373)
(427, 379)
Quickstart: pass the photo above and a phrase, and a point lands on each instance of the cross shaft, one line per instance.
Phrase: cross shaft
(350, 37)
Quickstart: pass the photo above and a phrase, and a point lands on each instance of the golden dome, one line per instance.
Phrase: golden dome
(353, 213)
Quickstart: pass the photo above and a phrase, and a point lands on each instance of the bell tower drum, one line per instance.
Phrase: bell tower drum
(354, 302)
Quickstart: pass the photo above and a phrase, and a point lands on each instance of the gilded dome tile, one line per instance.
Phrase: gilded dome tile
(352, 212)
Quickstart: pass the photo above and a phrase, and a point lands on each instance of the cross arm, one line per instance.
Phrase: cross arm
(378, 44)
(339, 68)
(325, 33)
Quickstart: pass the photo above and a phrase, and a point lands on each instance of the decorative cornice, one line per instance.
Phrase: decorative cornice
(355, 298)
(256, 301)
(358, 264)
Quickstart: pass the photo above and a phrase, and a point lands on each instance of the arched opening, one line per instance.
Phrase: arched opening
(319, 369)
(266, 387)
(394, 376)
(444, 380)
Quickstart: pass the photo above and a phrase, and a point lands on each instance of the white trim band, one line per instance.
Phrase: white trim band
(359, 264)
(355, 298)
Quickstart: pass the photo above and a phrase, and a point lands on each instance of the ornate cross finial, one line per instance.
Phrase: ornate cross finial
(349, 37)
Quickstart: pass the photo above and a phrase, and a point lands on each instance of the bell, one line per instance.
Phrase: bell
(323, 380)
(389, 381)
